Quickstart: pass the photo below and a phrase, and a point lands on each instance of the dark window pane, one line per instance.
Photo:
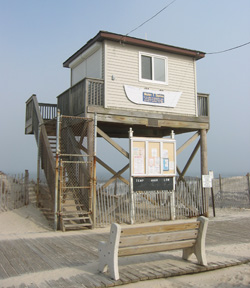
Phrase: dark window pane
(146, 67)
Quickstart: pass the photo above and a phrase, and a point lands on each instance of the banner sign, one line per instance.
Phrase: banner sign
(150, 97)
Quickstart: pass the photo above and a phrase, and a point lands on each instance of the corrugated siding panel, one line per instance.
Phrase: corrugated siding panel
(122, 62)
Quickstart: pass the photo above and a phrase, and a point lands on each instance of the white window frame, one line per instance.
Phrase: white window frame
(153, 56)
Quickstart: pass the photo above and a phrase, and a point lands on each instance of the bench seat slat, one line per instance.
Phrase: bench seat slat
(157, 238)
(144, 249)
(159, 228)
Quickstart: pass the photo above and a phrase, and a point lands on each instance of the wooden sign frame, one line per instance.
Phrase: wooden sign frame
(153, 157)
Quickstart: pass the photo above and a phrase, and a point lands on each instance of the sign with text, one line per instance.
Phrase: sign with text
(143, 96)
(206, 181)
(152, 183)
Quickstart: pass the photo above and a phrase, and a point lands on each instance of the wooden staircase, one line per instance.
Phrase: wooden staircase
(52, 142)
(73, 215)
(41, 122)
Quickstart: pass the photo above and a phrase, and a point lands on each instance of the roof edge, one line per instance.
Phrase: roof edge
(104, 35)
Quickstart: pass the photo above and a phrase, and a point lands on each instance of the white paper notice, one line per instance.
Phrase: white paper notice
(165, 153)
(138, 157)
(154, 152)
(139, 165)
(171, 165)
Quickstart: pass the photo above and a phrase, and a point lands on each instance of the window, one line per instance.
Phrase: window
(153, 68)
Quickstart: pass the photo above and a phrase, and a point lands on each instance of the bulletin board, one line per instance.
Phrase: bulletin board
(153, 157)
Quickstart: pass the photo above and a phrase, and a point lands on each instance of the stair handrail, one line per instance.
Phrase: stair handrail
(42, 139)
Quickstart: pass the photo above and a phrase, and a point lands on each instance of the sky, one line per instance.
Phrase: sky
(38, 36)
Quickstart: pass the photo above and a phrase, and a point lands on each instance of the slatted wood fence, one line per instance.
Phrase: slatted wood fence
(114, 204)
(14, 191)
(232, 191)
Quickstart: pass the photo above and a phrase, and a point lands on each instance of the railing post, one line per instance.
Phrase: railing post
(86, 92)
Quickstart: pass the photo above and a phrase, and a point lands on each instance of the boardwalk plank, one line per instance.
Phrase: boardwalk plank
(43, 254)
(130, 274)
(137, 271)
(81, 279)
(154, 271)
(11, 252)
(86, 244)
(10, 270)
(34, 261)
(108, 282)
(3, 273)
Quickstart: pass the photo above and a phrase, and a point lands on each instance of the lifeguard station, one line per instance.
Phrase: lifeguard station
(117, 83)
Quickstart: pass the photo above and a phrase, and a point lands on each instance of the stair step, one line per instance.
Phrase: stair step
(75, 218)
(77, 225)
(74, 213)
(72, 205)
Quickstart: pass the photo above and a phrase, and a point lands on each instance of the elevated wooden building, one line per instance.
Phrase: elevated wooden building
(123, 82)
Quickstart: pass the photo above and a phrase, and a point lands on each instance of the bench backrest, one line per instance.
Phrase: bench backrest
(157, 238)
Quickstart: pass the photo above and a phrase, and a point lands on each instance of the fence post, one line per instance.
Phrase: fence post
(248, 184)
(26, 187)
(221, 192)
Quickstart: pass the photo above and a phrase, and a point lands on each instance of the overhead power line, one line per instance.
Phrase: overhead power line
(151, 17)
(233, 48)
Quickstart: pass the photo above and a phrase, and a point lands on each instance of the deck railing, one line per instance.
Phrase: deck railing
(75, 100)
(48, 111)
(203, 104)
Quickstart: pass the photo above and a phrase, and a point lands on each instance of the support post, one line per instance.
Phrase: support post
(172, 195)
(57, 170)
(38, 165)
(132, 203)
(94, 173)
(91, 169)
(204, 165)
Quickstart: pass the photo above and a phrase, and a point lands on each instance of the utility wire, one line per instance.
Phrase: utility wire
(151, 18)
(233, 48)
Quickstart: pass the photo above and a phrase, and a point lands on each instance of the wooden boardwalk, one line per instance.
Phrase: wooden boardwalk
(56, 259)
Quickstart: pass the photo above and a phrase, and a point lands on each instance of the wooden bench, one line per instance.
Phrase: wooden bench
(188, 236)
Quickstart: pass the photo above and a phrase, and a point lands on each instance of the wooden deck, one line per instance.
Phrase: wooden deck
(56, 259)
(86, 98)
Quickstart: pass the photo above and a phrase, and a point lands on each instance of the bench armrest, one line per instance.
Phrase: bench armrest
(108, 252)
(199, 248)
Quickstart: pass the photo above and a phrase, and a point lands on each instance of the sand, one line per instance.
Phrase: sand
(29, 222)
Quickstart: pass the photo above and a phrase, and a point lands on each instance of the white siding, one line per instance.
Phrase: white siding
(79, 72)
(122, 62)
(89, 67)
